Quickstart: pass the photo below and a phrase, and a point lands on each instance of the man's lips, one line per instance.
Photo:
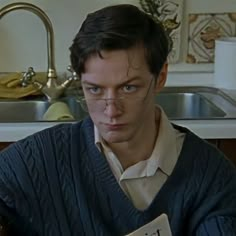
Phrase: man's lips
(114, 126)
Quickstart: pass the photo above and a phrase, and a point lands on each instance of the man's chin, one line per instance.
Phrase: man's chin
(114, 138)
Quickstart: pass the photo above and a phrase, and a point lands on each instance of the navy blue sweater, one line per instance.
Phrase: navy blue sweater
(56, 182)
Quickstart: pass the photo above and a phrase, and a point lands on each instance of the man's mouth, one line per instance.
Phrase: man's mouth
(114, 126)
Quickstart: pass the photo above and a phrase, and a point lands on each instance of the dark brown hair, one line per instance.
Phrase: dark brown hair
(120, 27)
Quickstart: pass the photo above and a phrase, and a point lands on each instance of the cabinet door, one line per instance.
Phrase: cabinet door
(227, 146)
(4, 144)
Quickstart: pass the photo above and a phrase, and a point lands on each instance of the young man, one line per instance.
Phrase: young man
(126, 164)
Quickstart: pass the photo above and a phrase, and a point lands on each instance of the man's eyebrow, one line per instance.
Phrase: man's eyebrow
(131, 79)
(123, 83)
(88, 83)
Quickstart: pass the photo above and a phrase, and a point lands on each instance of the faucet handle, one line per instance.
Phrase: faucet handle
(73, 76)
(27, 77)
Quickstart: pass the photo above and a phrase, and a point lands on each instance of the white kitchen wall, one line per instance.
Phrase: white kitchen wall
(23, 37)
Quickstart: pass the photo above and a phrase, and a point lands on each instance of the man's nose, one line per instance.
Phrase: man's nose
(112, 108)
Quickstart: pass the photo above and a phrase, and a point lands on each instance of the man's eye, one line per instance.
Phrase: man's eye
(129, 88)
(94, 90)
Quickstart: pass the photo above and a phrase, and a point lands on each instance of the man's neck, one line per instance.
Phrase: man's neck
(140, 148)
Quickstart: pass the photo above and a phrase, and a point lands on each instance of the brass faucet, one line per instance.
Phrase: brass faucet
(51, 89)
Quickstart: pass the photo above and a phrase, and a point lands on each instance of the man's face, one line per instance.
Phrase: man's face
(120, 91)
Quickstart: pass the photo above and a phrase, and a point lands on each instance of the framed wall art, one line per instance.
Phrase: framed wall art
(203, 30)
(169, 12)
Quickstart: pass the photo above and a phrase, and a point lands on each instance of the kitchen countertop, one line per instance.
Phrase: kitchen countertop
(208, 129)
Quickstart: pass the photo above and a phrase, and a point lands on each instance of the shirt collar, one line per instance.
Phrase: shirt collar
(98, 139)
(165, 148)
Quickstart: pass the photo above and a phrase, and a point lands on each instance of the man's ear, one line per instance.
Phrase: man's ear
(161, 80)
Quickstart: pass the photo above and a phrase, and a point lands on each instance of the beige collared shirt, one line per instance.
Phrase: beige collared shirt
(142, 181)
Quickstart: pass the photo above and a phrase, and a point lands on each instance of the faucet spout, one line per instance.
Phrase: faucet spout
(51, 72)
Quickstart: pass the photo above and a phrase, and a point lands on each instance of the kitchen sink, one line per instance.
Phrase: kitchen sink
(188, 106)
(33, 110)
(177, 102)
(196, 103)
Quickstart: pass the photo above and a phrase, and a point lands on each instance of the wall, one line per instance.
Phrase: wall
(23, 38)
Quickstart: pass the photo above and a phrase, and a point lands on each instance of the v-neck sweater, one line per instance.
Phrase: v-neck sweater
(56, 182)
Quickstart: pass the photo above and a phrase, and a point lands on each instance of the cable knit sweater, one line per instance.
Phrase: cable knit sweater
(56, 182)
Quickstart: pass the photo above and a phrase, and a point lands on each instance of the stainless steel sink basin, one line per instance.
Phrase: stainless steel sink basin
(188, 106)
(33, 110)
(196, 103)
(178, 103)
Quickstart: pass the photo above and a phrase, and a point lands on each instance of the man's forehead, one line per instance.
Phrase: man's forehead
(116, 63)
(88, 78)
(132, 56)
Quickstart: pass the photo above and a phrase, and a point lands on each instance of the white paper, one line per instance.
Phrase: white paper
(158, 227)
(225, 67)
